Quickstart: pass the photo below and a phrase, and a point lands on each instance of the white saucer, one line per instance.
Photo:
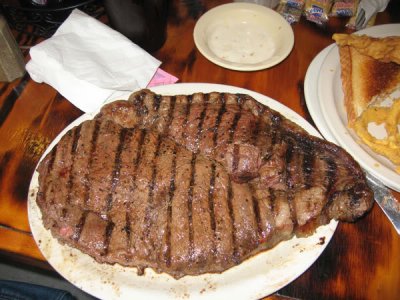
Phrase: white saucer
(243, 36)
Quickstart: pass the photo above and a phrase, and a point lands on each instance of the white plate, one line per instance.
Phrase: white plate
(255, 278)
(243, 36)
(330, 93)
(311, 94)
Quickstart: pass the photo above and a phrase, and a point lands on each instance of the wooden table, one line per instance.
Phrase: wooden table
(361, 262)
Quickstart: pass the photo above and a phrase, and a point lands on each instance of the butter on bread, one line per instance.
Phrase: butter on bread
(370, 69)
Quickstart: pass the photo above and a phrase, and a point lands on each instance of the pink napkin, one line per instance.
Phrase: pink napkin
(161, 78)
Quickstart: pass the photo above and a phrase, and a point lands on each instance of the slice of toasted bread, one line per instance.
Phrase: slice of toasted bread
(366, 73)
(385, 49)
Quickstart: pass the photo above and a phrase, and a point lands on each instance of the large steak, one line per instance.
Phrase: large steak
(193, 184)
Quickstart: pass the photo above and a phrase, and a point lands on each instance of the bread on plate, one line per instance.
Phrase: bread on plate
(370, 70)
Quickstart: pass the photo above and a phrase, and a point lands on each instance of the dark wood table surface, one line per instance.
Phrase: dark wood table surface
(362, 261)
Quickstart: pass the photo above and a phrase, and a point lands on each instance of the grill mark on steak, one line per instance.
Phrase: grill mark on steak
(180, 222)
(63, 213)
(200, 126)
(308, 158)
(177, 119)
(190, 203)
(127, 229)
(246, 124)
(161, 199)
(200, 205)
(116, 169)
(332, 175)
(194, 123)
(293, 162)
(170, 113)
(355, 194)
(331, 172)
(187, 113)
(135, 172)
(211, 200)
(140, 194)
(272, 199)
(275, 124)
(157, 213)
(140, 109)
(234, 126)
(265, 131)
(79, 226)
(103, 163)
(257, 216)
(185, 120)
(236, 157)
(73, 157)
(77, 133)
(221, 112)
(303, 168)
(235, 254)
(203, 235)
(206, 142)
(80, 169)
(171, 191)
(108, 232)
(232, 129)
(121, 235)
(149, 207)
(211, 203)
(288, 158)
(93, 145)
(157, 102)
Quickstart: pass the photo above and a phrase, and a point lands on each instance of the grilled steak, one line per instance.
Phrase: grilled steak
(193, 184)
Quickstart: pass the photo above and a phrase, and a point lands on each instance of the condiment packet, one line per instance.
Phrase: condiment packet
(344, 8)
(291, 10)
(317, 11)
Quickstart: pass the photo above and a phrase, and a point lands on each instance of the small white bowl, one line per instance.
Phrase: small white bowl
(243, 36)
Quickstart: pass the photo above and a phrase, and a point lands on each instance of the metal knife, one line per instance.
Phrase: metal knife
(386, 201)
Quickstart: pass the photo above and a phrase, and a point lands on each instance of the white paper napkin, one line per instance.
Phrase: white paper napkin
(90, 63)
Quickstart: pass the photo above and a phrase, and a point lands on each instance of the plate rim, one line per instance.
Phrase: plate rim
(343, 135)
(311, 94)
(107, 287)
(202, 22)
